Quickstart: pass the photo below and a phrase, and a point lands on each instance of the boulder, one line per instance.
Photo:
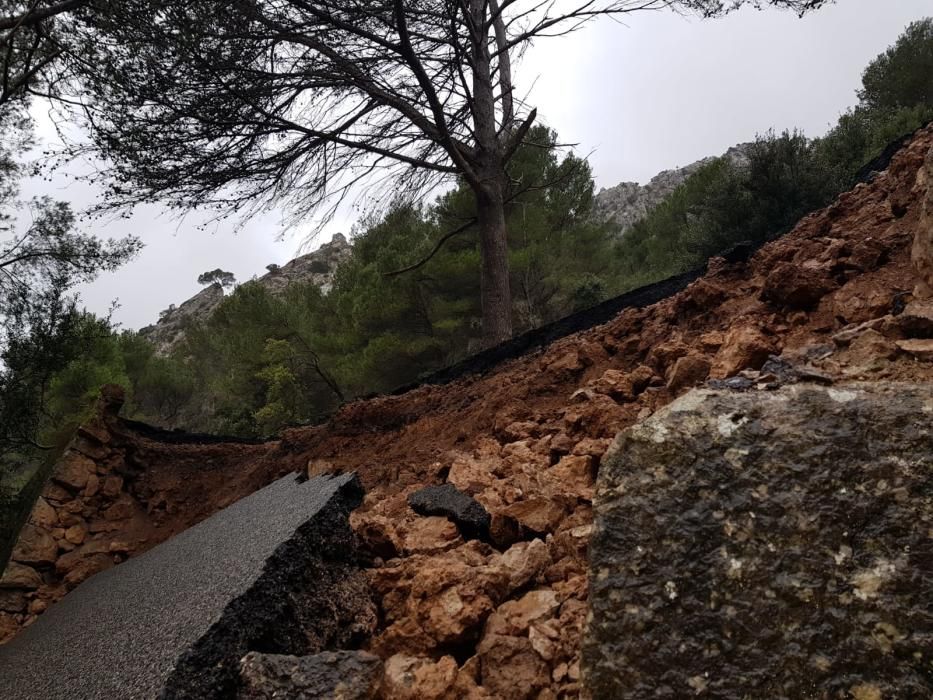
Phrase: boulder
(419, 678)
(447, 500)
(743, 347)
(535, 516)
(73, 471)
(764, 544)
(348, 675)
(689, 370)
(795, 286)
(35, 546)
(920, 348)
(20, 576)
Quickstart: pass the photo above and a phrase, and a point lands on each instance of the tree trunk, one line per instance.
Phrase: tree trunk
(494, 250)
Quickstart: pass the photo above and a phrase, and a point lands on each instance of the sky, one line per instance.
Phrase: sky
(655, 92)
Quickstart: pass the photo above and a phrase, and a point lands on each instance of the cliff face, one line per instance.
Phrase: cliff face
(628, 202)
(503, 615)
(318, 268)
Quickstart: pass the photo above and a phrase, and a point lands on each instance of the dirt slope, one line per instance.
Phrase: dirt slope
(503, 619)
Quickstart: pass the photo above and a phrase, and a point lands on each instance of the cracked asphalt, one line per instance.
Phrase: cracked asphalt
(119, 634)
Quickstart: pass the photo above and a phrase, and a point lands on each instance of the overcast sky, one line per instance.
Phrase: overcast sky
(658, 92)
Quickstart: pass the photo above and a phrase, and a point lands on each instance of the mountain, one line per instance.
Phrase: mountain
(628, 202)
(317, 268)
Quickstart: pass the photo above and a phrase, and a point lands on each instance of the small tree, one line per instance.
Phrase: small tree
(222, 277)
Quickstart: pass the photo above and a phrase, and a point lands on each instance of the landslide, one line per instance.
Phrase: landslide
(503, 617)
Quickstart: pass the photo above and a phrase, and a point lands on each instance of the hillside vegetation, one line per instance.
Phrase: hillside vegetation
(262, 361)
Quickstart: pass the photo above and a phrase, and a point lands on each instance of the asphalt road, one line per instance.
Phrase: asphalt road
(119, 634)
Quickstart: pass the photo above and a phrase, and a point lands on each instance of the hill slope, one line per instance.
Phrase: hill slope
(503, 617)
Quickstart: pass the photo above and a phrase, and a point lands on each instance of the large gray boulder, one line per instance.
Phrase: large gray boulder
(767, 545)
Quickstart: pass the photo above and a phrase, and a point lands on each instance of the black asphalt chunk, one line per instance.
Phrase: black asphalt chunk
(466, 512)
(145, 628)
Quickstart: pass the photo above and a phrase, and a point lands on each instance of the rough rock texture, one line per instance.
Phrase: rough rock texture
(447, 500)
(628, 202)
(347, 675)
(169, 330)
(767, 545)
(922, 250)
(271, 572)
(526, 438)
(317, 267)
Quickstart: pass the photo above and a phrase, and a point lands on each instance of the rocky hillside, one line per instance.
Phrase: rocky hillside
(628, 202)
(482, 586)
(317, 267)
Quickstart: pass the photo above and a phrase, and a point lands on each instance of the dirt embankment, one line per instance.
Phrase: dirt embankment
(503, 617)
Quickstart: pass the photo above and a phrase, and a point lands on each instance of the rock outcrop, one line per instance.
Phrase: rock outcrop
(628, 202)
(169, 330)
(766, 544)
(317, 268)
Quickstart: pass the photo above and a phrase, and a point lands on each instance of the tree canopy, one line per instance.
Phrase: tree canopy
(217, 276)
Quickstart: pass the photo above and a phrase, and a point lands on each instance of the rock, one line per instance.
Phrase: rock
(920, 348)
(869, 351)
(473, 474)
(12, 601)
(419, 678)
(76, 534)
(514, 617)
(536, 516)
(862, 300)
(429, 535)
(73, 471)
(92, 486)
(689, 370)
(743, 347)
(574, 476)
(524, 561)
(43, 515)
(377, 534)
(470, 517)
(511, 668)
(37, 606)
(347, 675)
(35, 546)
(320, 467)
(20, 576)
(628, 202)
(8, 627)
(795, 286)
(921, 254)
(916, 321)
(807, 504)
(112, 486)
(122, 509)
